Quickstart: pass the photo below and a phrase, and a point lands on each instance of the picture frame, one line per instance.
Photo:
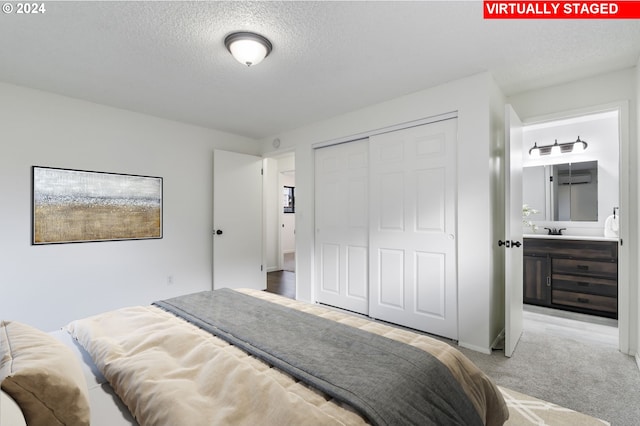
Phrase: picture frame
(289, 199)
(70, 206)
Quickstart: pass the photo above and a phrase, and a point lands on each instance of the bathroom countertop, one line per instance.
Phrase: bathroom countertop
(571, 237)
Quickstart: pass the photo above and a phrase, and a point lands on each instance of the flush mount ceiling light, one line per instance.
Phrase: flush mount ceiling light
(248, 48)
(558, 148)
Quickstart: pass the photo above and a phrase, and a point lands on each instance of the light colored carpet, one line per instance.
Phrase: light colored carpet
(593, 379)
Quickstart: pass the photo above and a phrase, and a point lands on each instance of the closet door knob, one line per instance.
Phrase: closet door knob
(218, 231)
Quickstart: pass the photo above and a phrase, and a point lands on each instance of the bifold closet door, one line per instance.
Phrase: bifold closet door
(412, 238)
(342, 227)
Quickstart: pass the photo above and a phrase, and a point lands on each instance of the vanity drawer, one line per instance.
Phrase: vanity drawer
(585, 301)
(604, 251)
(585, 267)
(578, 284)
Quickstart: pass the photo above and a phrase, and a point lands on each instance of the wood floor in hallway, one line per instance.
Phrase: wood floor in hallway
(282, 283)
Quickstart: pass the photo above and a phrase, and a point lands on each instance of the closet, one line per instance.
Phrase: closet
(385, 243)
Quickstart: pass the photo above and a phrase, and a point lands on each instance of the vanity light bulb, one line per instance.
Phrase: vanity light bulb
(555, 149)
(578, 147)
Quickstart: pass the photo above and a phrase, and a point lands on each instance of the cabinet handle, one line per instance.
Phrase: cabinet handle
(583, 267)
(583, 284)
(548, 281)
(583, 300)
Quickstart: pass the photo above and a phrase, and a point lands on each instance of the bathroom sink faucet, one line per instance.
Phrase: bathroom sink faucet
(555, 231)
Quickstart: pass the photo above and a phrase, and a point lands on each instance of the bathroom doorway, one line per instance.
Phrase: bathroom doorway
(586, 205)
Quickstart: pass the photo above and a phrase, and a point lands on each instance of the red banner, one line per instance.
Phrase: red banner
(561, 9)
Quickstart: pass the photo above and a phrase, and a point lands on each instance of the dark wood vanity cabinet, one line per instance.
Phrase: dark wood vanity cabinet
(574, 275)
(537, 280)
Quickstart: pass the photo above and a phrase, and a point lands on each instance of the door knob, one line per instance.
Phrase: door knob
(218, 231)
(509, 243)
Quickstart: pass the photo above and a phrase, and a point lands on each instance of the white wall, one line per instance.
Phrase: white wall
(470, 98)
(616, 88)
(48, 286)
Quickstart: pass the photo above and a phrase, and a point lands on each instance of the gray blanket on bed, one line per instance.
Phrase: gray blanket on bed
(388, 382)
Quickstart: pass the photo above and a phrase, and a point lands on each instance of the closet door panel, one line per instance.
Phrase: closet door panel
(412, 211)
(391, 207)
(391, 269)
(431, 284)
(342, 226)
(330, 273)
(357, 273)
(431, 200)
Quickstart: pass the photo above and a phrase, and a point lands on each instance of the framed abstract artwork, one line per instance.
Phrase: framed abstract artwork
(80, 206)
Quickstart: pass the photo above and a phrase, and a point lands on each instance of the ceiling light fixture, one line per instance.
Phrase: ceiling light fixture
(248, 48)
(558, 148)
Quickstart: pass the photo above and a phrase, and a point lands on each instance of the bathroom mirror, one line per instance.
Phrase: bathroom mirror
(562, 192)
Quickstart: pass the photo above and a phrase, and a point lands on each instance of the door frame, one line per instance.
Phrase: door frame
(626, 304)
(272, 189)
(513, 257)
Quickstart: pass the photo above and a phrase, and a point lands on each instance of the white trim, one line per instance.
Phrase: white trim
(486, 351)
(574, 113)
(625, 303)
(387, 129)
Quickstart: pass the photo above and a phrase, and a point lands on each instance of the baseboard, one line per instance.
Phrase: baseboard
(638, 360)
(273, 268)
(486, 351)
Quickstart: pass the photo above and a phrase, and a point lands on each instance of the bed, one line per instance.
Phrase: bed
(242, 357)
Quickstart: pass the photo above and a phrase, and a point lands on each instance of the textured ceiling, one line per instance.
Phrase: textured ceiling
(168, 58)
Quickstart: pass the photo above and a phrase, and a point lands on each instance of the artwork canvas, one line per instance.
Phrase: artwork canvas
(80, 206)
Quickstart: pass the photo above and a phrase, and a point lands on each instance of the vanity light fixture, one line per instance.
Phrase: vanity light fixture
(248, 48)
(558, 148)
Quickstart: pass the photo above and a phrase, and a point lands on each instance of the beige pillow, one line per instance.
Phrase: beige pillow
(43, 376)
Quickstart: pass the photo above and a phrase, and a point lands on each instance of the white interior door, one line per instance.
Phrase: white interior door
(237, 221)
(342, 228)
(413, 228)
(513, 230)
